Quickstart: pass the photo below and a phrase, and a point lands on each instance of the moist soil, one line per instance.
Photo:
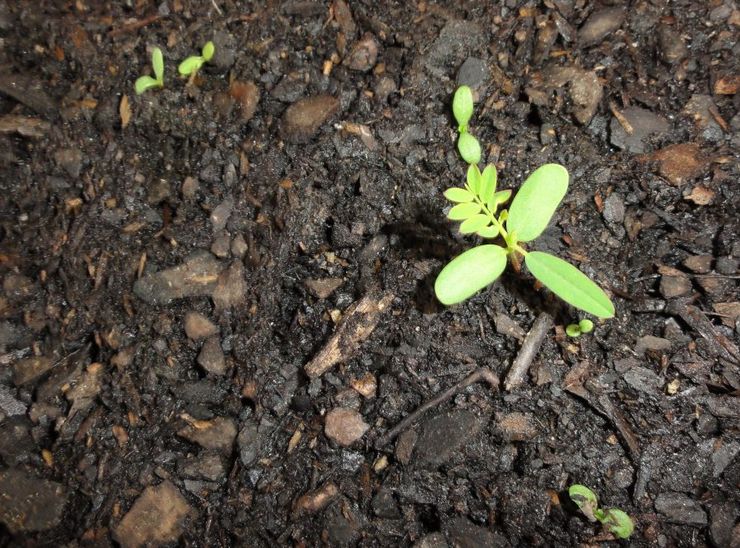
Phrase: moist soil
(172, 261)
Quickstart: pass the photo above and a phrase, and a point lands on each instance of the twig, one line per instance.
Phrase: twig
(482, 374)
(530, 347)
(719, 345)
(616, 416)
(134, 25)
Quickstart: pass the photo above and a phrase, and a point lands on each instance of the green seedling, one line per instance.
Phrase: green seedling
(191, 65)
(462, 109)
(580, 328)
(527, 217)
(614, 520)
(144, 83)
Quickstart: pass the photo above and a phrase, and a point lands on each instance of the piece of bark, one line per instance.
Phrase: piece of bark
(527, 353)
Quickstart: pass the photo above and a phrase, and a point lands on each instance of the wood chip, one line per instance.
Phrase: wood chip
(124, 109)
(701, 195)
(23, 125)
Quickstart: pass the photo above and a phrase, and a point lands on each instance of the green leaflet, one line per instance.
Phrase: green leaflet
(459, 195)
(462, 107)
(462, 211)
(487, 183)
(470, 272)
(190, 65)
(208, 50)
(469, 148)
(488, 232)
(473, 178)
(536, 201)
(569, 283)
(499, 198)
(144, 83)
(474, 223)
(158, 65)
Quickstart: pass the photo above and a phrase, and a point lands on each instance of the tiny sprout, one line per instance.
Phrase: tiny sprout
(580, 328)
(586, 326)
(462, 108)
(192, 64)
(614, 520)
(572, 330)
(469, 148)
(144, 83)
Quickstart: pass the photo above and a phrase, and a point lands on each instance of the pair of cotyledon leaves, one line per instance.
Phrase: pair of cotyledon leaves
(528, 216)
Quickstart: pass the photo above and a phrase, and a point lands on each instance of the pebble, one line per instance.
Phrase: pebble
(239, 246)
(30, 369)
(211, 356)
(249, 443)
(432, 540)
(674, 286)
(645, 125)
(157, 517)
(323, 287)
(722, 519)
(453, 45)
(196, 277)
(364, 54)
(70, 160)
(345, 426)
(699, 108)
(462, 532)
(221, 246)
(727, 266)
(722, 457)
(405, 446)
(198, 327)
(643, 380)
(384, 505)
(547, 134)
(680, 163)
(9, 405)
(18, 287)
(221, 213)
(317, 500)
(225, 52)
(701, 264)
(29, 503)
(672, 47)
(231, 288)
(247, 95)
(516, 426)
(583, 86)
(303, 119)
(207, 466)
(599, 25)
(291, 87)
(650, 342)
(190, 187)
(202, 391)
(679, 508)
(444, 436)
(217, 434)
(473, 73)
(614, 208)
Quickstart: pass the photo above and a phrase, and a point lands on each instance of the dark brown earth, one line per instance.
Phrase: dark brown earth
(171, 262)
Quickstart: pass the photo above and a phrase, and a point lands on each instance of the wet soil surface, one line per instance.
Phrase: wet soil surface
(216, 297)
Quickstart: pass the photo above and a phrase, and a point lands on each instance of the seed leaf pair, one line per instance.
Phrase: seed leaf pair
(144, 83)
(615, 521)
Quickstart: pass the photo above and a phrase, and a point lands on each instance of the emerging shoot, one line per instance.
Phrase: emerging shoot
(191, 65)
(144, 83)
(614, 520)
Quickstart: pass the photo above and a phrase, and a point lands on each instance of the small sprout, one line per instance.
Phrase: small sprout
(614, 520)
(144, 83)
(586, 326)
(572, 330)
(580, 328)
(469, 148)
(192, 64)
(462, 107)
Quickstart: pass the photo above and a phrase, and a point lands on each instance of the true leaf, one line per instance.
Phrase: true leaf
(487, 183)
(190, 65)
(585, 499)
(569, 283)
(144, 83)
(537, 200)
(459, 195)
(470, 272)
(462, 211)
(158, 64)
(462, 107)
(618, 522)
(501, 197)
(208, 51)
(474, 223)
(469, 148)
(473, 178)
(488, 231)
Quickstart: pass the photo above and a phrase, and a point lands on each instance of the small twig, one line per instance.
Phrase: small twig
(621, 118)
(617, 418)
(527, 353)
(482, 374)
(218, 10)
(719, 345)
(134, 25)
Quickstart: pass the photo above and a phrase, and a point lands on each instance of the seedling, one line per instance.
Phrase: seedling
(144, 83)
(580, 328)
(191, 65)
(527, 217)
(614, 520)
(462, 108)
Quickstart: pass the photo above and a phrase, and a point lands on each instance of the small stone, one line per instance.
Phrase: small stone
(189, 188)
(221, 245)
(722, 518)
(679, 508)
(9, 405)
(217, 434)
(405, 446)
(197, 276)
(723, 456)
(366, 385)
(221, 213)
(547, 134)
(432, 540)
(206, 466)
(649, 342)
(600, 24)
(699, 109)
(158, 192)
(643, 380)
(291, 87)
(317, 500)
(18, 287)
(157, 517)
(644, 125)
(239, 246)
(583, 86)
(463, 533)
(701, 264)
(672, 47)
(249, 443)
(364, 54)
(303, 119)
(517, 427)
(323, 287)
(445, 435)
(198, 327)
(231, 288)
(30, 369)
(680, 163)
(727, 266)
(674, 286)
(614, 208)
(384, 505)
(345, 426)
(30, 504)
(473, 73)
(247, 95)
(211, 356)
(70, 160)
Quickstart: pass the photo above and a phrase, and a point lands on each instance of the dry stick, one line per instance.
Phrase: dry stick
(719, 345)
(530, 347)
(482, 374)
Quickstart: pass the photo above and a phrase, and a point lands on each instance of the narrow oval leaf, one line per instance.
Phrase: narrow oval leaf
(459, 195)
(462, 106)
(488, 183)
(470, 272)
(462, 211)
(537, 200)
(144, 83)
(569, 283)
(488, 232)
(158, 64)
(208, 50)
(618, 522)
(469, 148)
(190, 65)
(473, 178)
(474, 223)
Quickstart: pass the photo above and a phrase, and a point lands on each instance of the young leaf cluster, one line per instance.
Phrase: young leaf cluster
(476, 208)
(188, 67)
(615, 521)
(462, 109)
(580, 328)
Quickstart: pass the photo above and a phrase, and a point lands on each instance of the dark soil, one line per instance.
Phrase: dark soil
(215, 204)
